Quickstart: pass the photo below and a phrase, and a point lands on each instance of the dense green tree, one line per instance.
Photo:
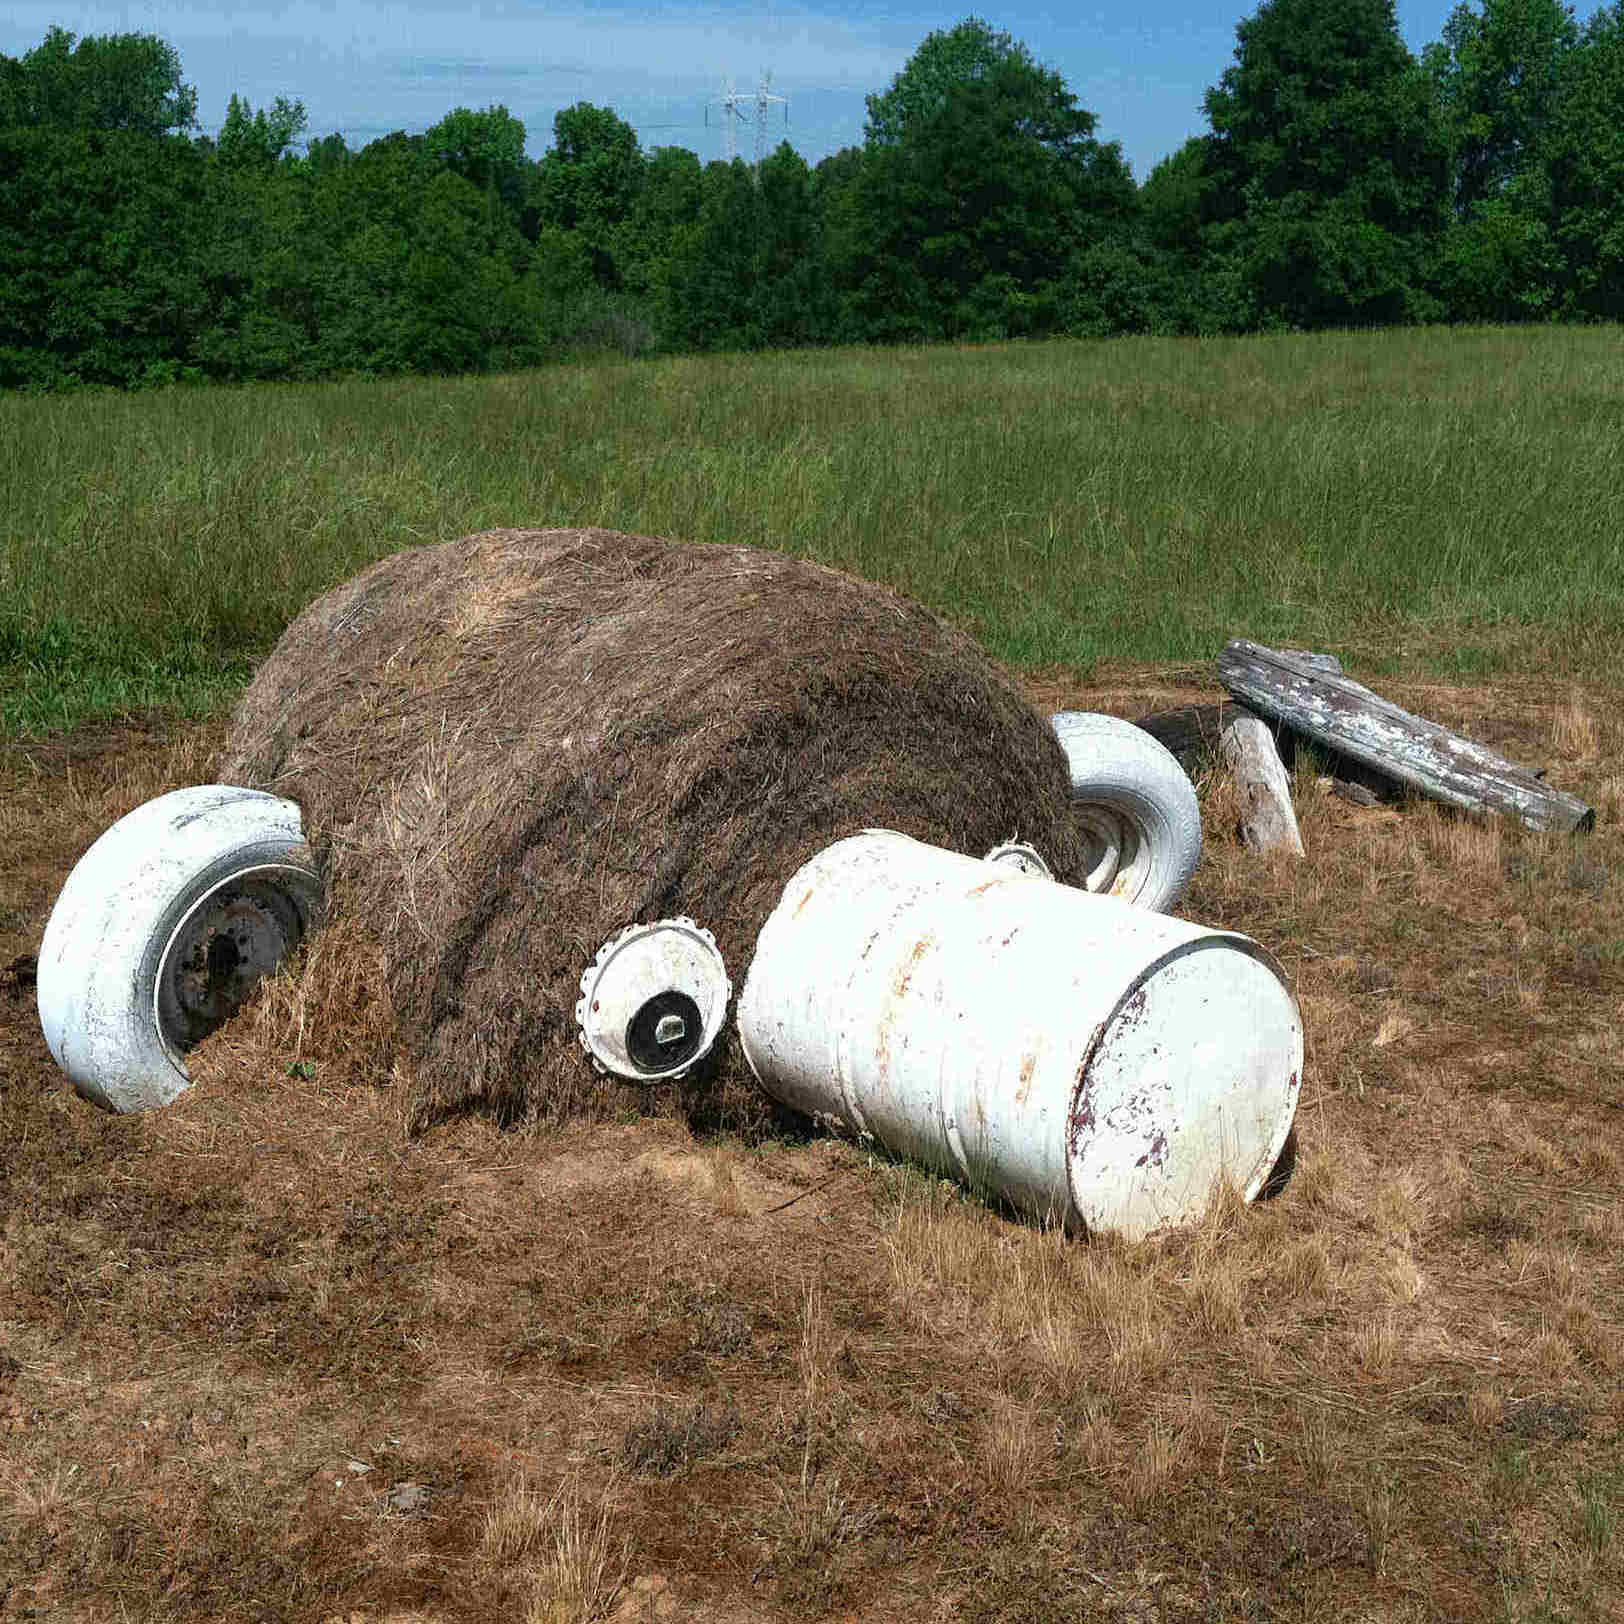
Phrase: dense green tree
(99, 275)
(975, 195)
(249, 138)
(709, 279)
(420, 276)
(793, 301)
(1499, 71)
(748, 271)
(128, 82)
(668, 199)
(485, 148)
(562, 284)
(590, 182)
(1341, 183)
(1585, 149)
(382, 261)
(1329, 165)
(333, 267)
(259, 260)
(327, 152)
(838, 171)
(1175, 279)
(944, 60)
(1502, 262)
(848, 233)
(1173, 198)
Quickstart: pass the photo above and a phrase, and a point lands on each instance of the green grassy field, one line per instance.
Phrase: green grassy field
(1443, 500)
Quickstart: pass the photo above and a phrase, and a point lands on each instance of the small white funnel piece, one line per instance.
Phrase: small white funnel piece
(654, 1000)
(1024, 859)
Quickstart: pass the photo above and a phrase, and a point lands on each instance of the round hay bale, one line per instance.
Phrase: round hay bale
(510, 746)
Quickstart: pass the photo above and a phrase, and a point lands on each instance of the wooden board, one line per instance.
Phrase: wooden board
(1339, 714)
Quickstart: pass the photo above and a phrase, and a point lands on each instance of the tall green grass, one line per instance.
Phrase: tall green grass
(1451, 499)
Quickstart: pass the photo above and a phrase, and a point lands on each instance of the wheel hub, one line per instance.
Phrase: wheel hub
(218, 955)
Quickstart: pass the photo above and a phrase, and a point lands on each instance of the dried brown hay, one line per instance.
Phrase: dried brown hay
(509, 746)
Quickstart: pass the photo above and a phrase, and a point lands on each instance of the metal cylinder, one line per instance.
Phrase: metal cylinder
(1092, 1063)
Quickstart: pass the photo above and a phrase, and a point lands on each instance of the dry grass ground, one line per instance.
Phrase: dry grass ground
(263, 1356)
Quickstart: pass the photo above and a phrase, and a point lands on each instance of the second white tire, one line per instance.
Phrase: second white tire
(1139, 807)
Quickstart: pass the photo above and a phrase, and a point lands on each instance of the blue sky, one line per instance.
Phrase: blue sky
(364, 67)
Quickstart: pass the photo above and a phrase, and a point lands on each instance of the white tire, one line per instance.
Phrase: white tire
(161, 932)
(1138, 805)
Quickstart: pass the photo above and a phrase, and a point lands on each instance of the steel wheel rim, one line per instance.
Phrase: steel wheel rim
(227, 942)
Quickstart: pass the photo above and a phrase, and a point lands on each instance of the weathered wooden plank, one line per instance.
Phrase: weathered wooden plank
(1340, 714)
(1194, 733)
(1328, 663)
(1269, 821)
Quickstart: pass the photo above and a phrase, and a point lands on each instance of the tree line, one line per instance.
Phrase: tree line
(1342, 181)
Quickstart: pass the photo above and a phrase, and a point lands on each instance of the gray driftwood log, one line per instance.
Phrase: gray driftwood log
(1341, 715)
(1269, 822)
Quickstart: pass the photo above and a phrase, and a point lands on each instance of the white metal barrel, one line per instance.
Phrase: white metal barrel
(1091, 1062)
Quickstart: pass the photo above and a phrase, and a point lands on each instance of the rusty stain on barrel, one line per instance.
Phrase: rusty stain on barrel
(1111, 1065)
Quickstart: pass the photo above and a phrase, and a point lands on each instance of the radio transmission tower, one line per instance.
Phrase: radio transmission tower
(748, 105)
(729, 101)
(764, 99)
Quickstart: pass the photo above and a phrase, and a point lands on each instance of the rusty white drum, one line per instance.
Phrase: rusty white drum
(1094, 1064)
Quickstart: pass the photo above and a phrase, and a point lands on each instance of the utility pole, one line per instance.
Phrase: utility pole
(737, 104)
(730, 102)
(764, 98)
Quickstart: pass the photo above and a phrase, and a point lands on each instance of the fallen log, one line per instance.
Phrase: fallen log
(1340, 715)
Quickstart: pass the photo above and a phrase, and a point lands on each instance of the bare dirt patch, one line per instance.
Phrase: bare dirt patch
(265, 1355)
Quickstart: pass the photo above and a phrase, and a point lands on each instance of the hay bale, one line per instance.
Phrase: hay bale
(509, 746)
